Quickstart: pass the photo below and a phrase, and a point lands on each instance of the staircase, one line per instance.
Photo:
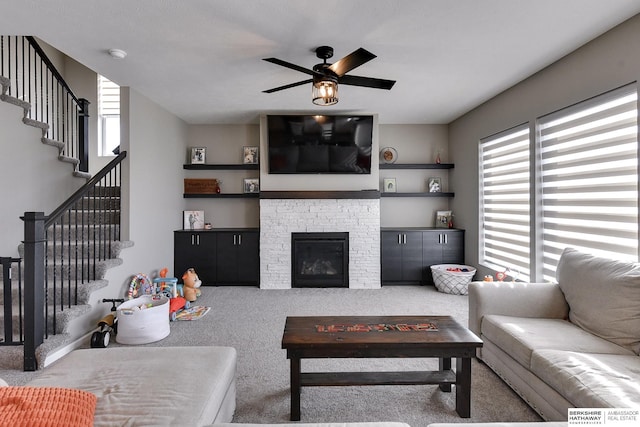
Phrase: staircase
(65, 254)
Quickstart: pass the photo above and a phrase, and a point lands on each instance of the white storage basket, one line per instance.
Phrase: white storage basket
(452, 282)
(142, 326)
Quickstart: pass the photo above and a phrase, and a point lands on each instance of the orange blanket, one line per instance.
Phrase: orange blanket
(46, 406)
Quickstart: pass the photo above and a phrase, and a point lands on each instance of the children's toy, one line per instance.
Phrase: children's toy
(191, 285)
(140, 285)
(107, 325)
(168, 286)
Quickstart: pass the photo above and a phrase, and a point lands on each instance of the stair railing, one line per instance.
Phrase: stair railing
(12, 298)
(34, 79)
(63, 251)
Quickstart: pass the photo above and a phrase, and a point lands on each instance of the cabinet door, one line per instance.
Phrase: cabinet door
(195, 250)
(453, 247)
(401, 256)
(412, 262)
(391, 252)
(248, 258)
(227, 258)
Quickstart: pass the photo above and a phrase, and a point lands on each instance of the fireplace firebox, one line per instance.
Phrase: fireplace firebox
(320, 260)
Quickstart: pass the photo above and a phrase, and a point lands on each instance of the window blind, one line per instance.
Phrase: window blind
(109, 112)
(504, 202)
(108, 97)
(588, 157)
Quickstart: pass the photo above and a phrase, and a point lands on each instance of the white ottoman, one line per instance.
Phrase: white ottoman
(159, 386)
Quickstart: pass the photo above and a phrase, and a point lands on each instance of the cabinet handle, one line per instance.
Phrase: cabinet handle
(198, 239)
(399, 238)
(439, 238)
(404, 239)
(239, 239)
(446, 239)
(234, 239)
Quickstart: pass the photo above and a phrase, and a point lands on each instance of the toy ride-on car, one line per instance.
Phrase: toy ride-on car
(107, 325)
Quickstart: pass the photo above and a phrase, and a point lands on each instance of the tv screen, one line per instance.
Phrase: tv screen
(319, 144)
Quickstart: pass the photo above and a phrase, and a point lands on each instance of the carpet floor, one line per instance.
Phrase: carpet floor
(252, 321)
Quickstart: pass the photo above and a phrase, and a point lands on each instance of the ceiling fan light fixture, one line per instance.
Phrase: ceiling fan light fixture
(324, 91)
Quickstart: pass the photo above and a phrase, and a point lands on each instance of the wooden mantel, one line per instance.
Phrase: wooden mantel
(363, 194)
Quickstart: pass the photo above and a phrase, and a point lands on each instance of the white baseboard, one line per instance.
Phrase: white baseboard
(81, 342)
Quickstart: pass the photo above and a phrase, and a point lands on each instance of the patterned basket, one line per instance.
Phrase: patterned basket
(452, 282)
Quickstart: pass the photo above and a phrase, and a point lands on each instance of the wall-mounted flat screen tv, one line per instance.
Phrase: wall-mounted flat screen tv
(306, 144)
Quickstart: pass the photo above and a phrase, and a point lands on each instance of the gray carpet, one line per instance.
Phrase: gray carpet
(252, 321)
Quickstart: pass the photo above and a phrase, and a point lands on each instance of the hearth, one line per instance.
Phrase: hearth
(319, 260)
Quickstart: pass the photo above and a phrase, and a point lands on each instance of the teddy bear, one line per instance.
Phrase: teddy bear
(191, 282)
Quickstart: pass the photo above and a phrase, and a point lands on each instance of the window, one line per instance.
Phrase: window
(504, 201)
(108, 116)
(585, 194)
(588, 157)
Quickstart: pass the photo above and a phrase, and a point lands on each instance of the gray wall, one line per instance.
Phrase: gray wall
(31, 176)
(607, 62)
(414, 144)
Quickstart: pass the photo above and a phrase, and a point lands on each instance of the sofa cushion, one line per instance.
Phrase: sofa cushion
(520, 336)
(590, 380)
(603, 296)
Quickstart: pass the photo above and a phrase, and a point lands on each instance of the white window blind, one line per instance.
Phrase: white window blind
(109, 115)
(504, 202)
(588, 157)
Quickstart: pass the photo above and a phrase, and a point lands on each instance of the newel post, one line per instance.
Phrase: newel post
(34, 286)
(83, 135)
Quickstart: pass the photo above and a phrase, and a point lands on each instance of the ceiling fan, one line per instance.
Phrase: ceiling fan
(325, 77)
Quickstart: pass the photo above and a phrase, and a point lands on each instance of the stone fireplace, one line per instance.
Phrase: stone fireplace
(320, 260)
(283, 213)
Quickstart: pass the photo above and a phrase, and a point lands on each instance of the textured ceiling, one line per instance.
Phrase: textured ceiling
(202, 59)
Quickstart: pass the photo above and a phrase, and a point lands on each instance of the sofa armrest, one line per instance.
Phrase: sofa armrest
(544, 300)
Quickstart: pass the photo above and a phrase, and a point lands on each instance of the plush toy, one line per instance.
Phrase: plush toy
(191, 285)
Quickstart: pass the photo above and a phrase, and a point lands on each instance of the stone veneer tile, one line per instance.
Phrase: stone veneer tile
(281, 217)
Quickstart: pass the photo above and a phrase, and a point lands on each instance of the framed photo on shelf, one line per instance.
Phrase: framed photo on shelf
(250, 155)
(193, 220)
(198, 155)
(251, 185)
(389, 185)
(443, 218)
(435, 184)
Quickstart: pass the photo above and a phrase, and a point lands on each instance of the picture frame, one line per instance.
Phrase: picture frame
(251, 185)
(434, 184)
(250, 155)
(443, 218)
(198, 155)
(193, 220)
(389, 185)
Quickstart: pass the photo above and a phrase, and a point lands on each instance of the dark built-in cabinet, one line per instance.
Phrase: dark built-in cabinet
(237, 258)
(408, 253)
(220, 257)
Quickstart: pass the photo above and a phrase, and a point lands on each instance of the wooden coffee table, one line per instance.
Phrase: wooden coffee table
(381, 337)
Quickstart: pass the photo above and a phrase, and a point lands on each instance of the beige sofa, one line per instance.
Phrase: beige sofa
(573, 343)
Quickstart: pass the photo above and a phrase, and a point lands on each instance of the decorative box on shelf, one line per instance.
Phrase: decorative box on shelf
(201, 186)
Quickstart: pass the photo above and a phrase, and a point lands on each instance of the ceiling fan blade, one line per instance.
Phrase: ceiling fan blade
(351, 61)
(290, 65)
(366, 82)
(275, 89)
